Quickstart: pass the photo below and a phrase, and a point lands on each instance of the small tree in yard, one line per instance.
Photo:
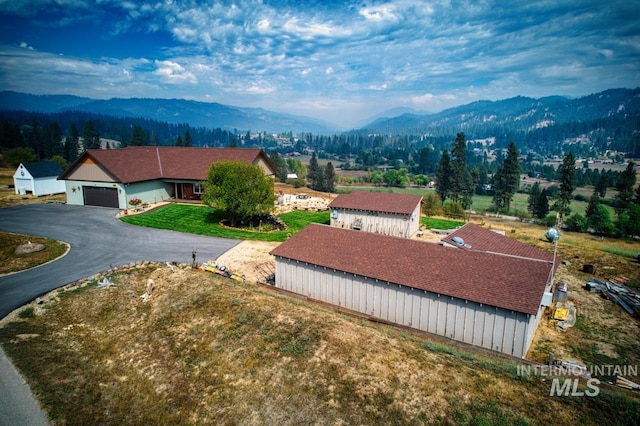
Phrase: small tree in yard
(241, 190)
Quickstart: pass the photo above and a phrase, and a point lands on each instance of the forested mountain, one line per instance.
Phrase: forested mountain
(607, 120)
(173, 111)
(589, 126)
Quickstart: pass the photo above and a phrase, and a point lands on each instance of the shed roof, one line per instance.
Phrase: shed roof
(477, 238)
(377, 201)
(137, 164)
(507, 282)
(42, 169)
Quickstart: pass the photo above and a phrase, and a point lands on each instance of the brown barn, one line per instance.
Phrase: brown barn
(489, 299)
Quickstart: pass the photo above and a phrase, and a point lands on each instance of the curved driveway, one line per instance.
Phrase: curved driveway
(98, 241)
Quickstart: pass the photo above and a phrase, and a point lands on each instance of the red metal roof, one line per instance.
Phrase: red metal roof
(477, 238)
(377, 201)
(137, 164)
(507, 282)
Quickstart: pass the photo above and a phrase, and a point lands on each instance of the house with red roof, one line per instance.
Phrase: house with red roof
(112, 177)
(493, 299)
(378, 212)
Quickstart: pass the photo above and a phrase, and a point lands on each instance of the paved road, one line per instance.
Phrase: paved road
(97, 241)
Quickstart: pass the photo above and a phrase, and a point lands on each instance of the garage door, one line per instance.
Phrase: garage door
(103, 197)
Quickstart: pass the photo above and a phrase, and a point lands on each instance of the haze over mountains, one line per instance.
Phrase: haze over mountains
(520, 113)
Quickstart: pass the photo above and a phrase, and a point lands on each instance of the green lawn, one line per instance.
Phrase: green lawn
(436, 223)
(202, 220)
(481, 203)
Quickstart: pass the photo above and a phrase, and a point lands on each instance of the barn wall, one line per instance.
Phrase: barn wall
(397, 225)
(23, 185)
(47, 186)
(481, 325)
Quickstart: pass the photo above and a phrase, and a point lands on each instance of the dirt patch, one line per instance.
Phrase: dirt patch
(251, 259)
(29, 248)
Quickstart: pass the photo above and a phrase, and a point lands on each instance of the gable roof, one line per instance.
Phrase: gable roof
(377, 201)
(137, 164)
(42, 169)
(477, 238)
(507, 282)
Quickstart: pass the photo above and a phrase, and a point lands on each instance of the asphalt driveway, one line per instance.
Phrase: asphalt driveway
(98, 241)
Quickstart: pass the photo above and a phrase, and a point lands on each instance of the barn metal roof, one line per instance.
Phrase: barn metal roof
(377, 202)
(508, 282)
(42, 169)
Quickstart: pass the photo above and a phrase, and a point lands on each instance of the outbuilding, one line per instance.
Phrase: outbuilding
(378, 212)
(39, 178)
(114, 177)
(490, 300)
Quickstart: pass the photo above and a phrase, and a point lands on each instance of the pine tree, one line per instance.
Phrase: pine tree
(90, 136)
(312, 171)
(542, 207)
(319, 186)
(532, 201)
(71, 144)
(601, 185)
(281, 166)
(443, 176)
(138, 136)
(509, 178)
(187, 139)
(567, 171)
(592, 209)
(625, 185)
(461, 182)
(329, 178)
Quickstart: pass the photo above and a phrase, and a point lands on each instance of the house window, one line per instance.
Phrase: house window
(197, 188)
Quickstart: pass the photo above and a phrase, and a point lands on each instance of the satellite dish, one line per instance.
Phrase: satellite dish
(458, 241)
(552, 234)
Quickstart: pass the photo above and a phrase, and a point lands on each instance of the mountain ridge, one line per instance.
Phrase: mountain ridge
(519, 113)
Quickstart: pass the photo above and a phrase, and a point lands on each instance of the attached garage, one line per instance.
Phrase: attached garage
(113, 177)
(100, 196)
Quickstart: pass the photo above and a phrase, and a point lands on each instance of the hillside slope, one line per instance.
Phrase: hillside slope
(209, 350)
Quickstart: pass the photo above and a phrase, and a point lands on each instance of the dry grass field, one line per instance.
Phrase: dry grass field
(203, 349)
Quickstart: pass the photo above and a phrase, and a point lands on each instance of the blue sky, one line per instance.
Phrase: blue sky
(340, 61)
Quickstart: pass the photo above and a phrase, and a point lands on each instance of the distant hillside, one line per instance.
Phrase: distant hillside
(606, 121)
(519, 112)
(175, 111)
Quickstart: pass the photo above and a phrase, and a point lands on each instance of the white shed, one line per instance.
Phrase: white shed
(378, 212)
(490, 300)
(39, 178)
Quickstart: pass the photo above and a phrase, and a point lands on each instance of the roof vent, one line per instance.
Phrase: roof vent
(458, 241)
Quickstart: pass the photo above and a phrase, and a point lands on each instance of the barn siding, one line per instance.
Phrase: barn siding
(397, 225)
(485, 326)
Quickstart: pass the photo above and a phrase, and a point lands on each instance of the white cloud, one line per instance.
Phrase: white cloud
(431, 100)
(174, 73)
(342, 58)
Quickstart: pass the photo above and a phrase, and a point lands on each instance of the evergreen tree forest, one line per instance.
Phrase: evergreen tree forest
(35, 136)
